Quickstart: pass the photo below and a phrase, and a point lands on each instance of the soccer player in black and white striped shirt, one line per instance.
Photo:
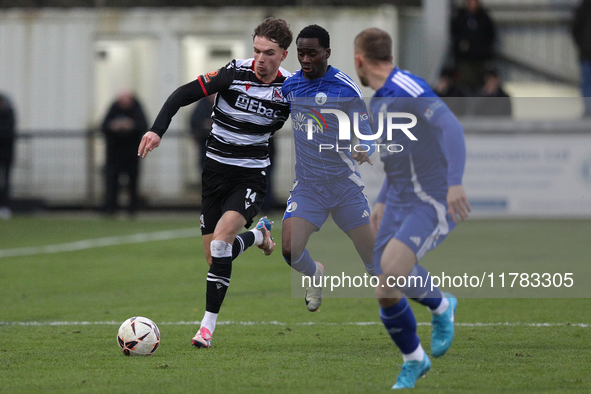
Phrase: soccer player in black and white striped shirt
(249, 108)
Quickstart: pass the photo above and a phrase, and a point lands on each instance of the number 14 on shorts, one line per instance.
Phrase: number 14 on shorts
(249, 198)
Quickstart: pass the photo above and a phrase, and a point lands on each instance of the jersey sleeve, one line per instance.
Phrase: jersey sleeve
(438, 115)
(203, 86)
(454, 146)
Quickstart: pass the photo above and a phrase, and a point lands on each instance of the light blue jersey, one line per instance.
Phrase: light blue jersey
(308, 98)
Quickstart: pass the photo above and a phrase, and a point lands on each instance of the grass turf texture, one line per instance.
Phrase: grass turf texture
(165, 281)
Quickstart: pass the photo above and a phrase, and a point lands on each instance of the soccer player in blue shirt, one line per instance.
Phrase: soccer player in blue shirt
(326, 180)
(420, 202)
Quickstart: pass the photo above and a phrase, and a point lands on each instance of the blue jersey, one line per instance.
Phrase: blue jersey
(425, 168)
(324, 158)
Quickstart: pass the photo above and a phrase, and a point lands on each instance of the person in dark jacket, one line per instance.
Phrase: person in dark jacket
(492, 100)
(581, 29)
(453, 92)
(473, 37)
(7, 137)
(124, 126)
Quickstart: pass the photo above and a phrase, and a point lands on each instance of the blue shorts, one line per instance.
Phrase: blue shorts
(421, 227)
(343, 199)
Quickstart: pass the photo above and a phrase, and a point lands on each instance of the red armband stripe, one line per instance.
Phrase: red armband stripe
(202, 85)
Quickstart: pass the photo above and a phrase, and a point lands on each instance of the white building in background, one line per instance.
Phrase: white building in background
(62, 68)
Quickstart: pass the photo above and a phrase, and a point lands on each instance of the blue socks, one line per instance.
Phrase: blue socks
(400, 323)
(303, 264)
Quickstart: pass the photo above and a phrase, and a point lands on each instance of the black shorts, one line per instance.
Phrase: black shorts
(236, 189)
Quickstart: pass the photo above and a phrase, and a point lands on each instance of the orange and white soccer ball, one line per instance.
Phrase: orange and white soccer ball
(138, 336)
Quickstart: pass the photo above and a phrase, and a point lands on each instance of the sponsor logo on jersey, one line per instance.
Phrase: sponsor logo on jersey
(430, 111)
(210, 75)
(303, 121)
(255, 106)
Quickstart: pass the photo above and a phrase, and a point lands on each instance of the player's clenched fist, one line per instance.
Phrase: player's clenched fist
(150, 140)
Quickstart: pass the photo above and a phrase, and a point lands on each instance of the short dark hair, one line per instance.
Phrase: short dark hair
(276, 30)
(375, 44)
(315, 31)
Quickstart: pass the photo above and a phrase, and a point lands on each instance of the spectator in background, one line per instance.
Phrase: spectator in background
(7, 137)
(201, 124)
(124, 126)
(473, 38)
(581, 29)
(451, 91)
(492, 99)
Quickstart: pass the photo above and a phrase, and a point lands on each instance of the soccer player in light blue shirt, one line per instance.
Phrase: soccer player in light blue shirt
(419, 203)
(326, 180)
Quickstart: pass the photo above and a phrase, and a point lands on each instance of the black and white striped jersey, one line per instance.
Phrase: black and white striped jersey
(246, 113)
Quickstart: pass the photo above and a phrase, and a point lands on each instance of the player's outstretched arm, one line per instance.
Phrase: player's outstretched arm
(150, 140)
(377, 213)
(457, 203)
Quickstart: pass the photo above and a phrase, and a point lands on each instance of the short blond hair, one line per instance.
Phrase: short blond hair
(374, 44)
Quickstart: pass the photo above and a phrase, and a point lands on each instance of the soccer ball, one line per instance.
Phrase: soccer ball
(138, 336)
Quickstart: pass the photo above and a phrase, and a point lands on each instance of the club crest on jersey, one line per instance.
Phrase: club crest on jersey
(277, 95)
(321, 98)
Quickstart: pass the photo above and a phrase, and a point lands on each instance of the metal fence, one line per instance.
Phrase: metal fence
(65, 169)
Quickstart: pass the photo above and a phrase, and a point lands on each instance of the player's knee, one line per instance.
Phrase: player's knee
(386, 293)
(396, 269)
(220, 248)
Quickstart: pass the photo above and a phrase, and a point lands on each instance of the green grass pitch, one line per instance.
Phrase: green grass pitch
(269, 342)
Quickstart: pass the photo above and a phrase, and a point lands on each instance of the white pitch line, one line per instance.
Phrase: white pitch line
(101, 242)
(276, 323)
